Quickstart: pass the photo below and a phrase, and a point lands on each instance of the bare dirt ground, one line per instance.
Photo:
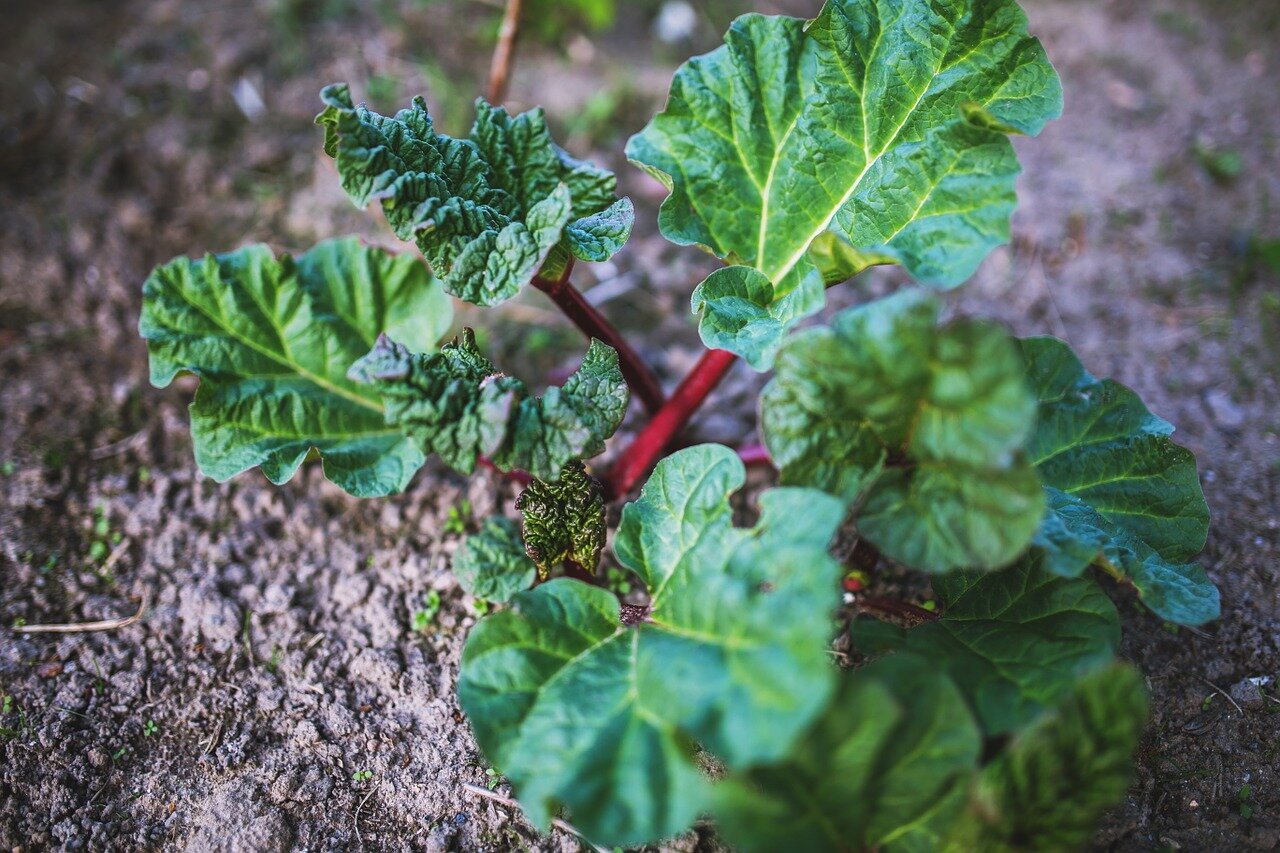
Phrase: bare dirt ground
(276, 694)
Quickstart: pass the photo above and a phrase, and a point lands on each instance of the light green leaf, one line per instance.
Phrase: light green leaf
(564, 520)
(599, 237)
(492, 564)
(741, 314)
(1015, 641)
(1049, 788)
(1121, 494)
(455, 403)
(887, 767)
(923, 424)
(584, 709)
(271, 340)
(486, 212)
(882, 120)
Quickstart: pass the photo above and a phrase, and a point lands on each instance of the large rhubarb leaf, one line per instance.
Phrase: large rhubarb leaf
(487, 211)
(887, 767)
(885, 122)
(457, 404)
(925, 425)
(599, 712)
(271, 340)
(1121, 494)
(1048, 789)
(492, 564)
(1015, 641)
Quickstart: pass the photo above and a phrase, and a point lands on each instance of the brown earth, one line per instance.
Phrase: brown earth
(276, 695)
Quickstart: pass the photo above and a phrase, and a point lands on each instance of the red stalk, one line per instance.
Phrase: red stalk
(643, 452)
(524, 478)
(893, 607)
(754, 455)
(593, 324)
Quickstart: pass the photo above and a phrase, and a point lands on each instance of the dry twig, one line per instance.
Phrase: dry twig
(555, 821)
(500, 68)
(1225, 694)
(81, 627)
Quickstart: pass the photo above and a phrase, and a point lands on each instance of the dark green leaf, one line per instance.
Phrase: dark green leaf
(454, 402)
(583, 709)
(271, 340)
(887, 767)
(1120, 493)
(564, 520)
(884, 121)
(485, 211)
(492, 564)
(1015, 641)
(1048, 789)
(924, 424)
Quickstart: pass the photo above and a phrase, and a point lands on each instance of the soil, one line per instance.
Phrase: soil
(276, 694)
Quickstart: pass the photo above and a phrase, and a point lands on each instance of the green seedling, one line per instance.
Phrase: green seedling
(426, 615)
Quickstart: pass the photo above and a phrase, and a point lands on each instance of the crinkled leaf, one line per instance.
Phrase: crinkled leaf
(492, 564)
(925, 425)
(487, 211)
(271, 340)
(884, 121)
(599, 237)
(887, 767)
(1015, 641)
(455, 403)
(581, 709)
(1049, 787)
(944, 516)
(564, 520)
(1120, 493)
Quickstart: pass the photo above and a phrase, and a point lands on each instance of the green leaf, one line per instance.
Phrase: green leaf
(887, 767)
(564, 520)
(883, 121)
(1015, 641)
(492, 564)
(1049, 788)
(271, 340)
(585, 709)
(923, 424)
(487, 212)
(455, 403)
(741, 314)
(1120, 493)
(599, 237)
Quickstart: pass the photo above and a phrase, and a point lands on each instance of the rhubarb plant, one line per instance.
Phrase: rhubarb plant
(735, 682)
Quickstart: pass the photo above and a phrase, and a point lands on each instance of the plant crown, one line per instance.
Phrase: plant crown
(799, 153)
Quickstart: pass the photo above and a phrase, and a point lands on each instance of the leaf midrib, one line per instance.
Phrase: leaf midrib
(314, 378)
(803, 249)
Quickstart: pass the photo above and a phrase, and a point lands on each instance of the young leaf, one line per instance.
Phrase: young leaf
(1120, 493)
(486, 212)
(564, 520)
(492, 564)
(882, 121)
(584, 709)
(271, 340)
(925, 424)
(1048, 789)
(740, 313)
(455, 403)
(1015, 641)
(887, 767)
